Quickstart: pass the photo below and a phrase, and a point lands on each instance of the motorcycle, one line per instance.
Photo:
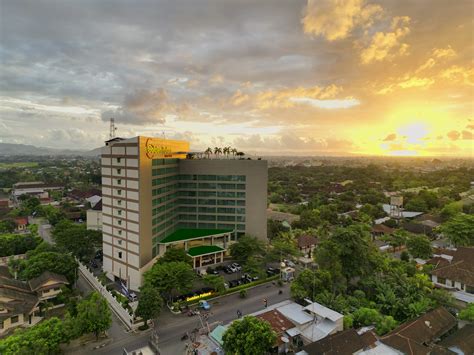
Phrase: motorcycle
(184, 337)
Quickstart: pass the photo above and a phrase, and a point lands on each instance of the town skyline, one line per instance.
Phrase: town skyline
(383, 78)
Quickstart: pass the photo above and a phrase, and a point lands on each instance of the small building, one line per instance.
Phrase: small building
(461, 341)
(21, 224)
(47, 285)
(307, 244)
(36, 188)
(456, 274)
(379, 230)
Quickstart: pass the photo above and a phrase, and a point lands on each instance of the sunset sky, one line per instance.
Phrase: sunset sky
(323, 77)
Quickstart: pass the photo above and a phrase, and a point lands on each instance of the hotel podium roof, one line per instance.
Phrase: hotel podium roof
(203, 250)
(187, 234)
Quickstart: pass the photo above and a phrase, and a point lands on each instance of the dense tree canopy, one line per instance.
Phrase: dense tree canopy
(246, 247)
(76, 239)
(59, 263)
(249, 336)
(175, 255)
(43, 338)
(170, 279)
(14, 244)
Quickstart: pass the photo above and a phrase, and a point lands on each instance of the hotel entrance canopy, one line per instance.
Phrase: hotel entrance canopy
(181, 235)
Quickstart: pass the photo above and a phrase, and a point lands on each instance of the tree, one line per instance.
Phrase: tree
(450, 210)
(249, 336)
(282, 248)
(385, 324)
(43, 338)
(246, 247)
(62, 264)
(366, 316)
(77, 239)
(419, 246)
(175, 255)
(14, 244)
(467, 313)
(93, 314)
(396, 239)
(459, 230)
(149, 304)
(309, 283)
(404, 256)
(170, 279)
(7, 226)
(215, 281)
(254, 266)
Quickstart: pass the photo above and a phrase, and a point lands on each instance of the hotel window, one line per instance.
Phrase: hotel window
(120, 255)
(14, 319)
(119, 171)
(119, 202)
(119, 192)
(119, 212)
(119, 222)
(119, 242)
(119, 181)
(119, 232)
(119, 160)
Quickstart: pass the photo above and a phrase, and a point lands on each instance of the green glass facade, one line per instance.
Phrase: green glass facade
(194, 201)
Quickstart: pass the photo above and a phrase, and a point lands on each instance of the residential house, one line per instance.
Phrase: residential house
(460, 342)
(20, 300)
(307, 244)
(419, 336)
(342, 343)
(456, 274)
(379, 230)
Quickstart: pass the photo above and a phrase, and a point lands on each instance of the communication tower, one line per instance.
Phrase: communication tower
(113, 129)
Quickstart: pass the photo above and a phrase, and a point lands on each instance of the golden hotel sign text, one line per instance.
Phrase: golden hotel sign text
(154, 150)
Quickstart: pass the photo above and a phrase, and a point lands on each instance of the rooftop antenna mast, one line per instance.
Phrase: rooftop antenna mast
(113, 129)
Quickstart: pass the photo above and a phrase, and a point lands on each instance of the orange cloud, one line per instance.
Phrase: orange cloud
(334, 19)
(386, 45)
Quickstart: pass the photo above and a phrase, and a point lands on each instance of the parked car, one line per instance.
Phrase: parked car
(232, 268)
(272, 271)
(236, 266)
(204, 305)
(289, 263)
(228, 270)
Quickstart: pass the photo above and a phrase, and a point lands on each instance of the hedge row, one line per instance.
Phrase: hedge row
(235, 289)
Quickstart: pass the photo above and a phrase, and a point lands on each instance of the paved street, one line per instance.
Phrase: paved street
(171, 327)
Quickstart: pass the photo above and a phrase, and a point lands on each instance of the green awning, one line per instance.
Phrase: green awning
(187, 234)
(203, 250)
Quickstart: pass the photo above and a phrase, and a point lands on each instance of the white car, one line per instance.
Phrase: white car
(237, 266)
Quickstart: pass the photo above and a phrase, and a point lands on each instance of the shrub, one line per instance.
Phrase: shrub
(243, 293)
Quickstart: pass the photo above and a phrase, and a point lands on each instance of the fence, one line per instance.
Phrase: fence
(115, 305)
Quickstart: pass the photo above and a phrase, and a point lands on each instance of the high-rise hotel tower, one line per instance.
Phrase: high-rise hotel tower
(156, 197)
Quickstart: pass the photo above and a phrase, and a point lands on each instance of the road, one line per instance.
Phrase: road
(171, 327)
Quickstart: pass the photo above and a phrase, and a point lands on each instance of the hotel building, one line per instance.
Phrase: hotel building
(154, 198)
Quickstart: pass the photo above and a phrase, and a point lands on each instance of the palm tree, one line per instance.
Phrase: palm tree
(208, 152)
(217, 151)
(226, 151)
(240, 154)
(234, 151)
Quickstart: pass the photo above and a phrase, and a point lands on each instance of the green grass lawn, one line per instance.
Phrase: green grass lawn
(25, 164)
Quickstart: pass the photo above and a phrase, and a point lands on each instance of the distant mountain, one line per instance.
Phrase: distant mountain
(9, 149)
